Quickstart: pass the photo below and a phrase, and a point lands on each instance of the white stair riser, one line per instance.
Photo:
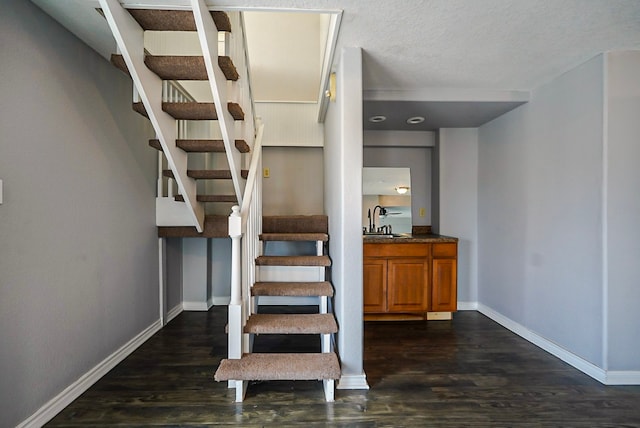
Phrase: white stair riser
(290, 273)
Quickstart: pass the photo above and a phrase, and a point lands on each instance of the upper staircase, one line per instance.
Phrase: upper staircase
(207, 187)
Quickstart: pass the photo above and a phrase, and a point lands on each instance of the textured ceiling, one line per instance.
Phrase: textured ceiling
(418, 51)
(484, 44)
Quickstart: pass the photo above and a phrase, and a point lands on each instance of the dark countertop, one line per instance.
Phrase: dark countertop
(407, 239)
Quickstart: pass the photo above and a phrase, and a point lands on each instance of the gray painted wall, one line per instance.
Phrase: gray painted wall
(79, 255)
(173, 273)
(458, 204)
(623, 211)
(296, 182)
(196, 273)
(220, 256)
(540, 212)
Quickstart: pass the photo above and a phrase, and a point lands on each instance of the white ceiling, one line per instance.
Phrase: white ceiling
(476, 53)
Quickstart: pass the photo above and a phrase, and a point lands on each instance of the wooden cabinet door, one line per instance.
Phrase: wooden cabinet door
(444, 285)
(375, 285)
(407, 285)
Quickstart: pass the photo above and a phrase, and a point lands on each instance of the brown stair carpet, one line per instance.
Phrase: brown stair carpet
(291, 324)
(280, 367)
(293, 261)
(294, 237)
(193, 110)
(210, 198)
(293, 289)
(203, 146)
(207, 174)
(295, 224)
(180, 67)
(215, 226)
(175, 20)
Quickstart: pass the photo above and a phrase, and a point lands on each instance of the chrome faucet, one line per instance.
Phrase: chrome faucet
(372, 219)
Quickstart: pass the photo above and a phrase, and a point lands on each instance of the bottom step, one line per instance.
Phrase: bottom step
(280, 367)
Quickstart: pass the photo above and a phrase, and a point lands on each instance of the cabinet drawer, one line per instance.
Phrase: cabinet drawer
(445, 250)
(396, 250)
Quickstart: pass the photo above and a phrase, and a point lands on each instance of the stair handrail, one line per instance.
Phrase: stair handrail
(245, 227)
(245, 221)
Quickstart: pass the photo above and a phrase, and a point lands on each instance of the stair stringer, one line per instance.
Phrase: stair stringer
(208, 36)
(129, 37)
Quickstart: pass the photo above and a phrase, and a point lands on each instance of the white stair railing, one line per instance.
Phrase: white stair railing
(245, 227)
(174, 92)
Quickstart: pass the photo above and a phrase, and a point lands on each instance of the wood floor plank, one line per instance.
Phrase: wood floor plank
(466, 372)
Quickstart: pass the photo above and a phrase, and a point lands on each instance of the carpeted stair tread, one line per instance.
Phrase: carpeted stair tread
(291, 324)
(294, 237)
(215, 226)
(118, 62)
(293, 261)
(295, 224)
(211, 198)
(203, 146)
(175, 20)
(293, 289)
(180, 67)
(207, 174)
(280, 367)
(228, 68)
(193, 110)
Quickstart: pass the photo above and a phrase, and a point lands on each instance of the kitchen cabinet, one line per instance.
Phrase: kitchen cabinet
(444, 271)
(408, 280)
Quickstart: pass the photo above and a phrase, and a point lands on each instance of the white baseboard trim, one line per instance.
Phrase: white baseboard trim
(174, 312)
(467, 306)
(197, 306)
(623, 377)
(353, 382)
(568, 357)
(54, 406)
(221, 300)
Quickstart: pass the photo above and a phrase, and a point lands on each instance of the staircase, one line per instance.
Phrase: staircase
(296, 277)
(204, 193)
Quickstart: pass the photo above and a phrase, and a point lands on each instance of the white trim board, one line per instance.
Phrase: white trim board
(221, 300)
(353, 382)
(627, 377)
(601, 375)
(287, 301)
(174, 312)
(467, 306)
(54, 406)
(197, 306)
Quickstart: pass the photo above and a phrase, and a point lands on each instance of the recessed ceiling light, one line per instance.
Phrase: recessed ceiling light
(415, 120)
(377, 119)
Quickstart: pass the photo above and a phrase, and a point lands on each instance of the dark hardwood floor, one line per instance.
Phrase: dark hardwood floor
(465, 372)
